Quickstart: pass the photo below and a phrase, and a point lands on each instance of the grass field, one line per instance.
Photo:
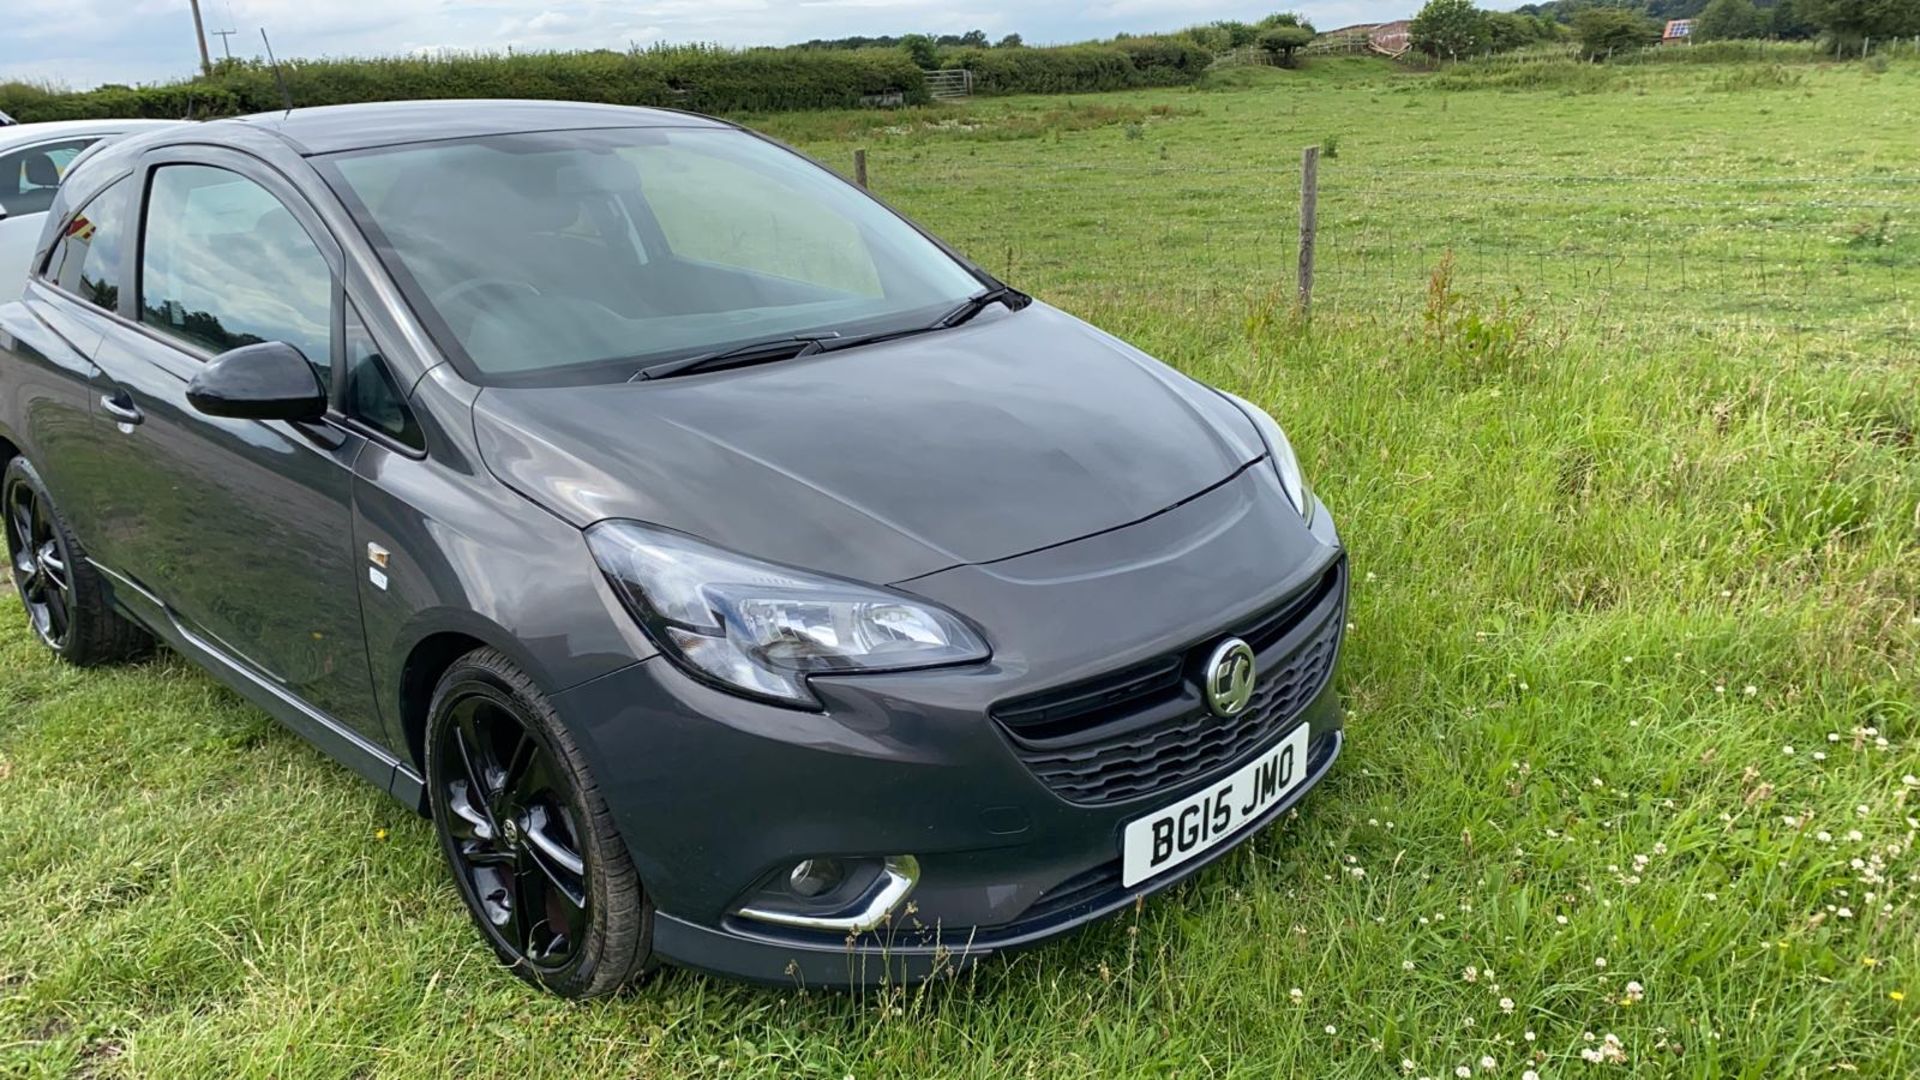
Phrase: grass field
(1634, 674)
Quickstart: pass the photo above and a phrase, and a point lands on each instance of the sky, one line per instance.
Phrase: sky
(82, 43)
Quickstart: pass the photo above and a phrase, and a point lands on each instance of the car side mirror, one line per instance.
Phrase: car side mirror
(268, 381)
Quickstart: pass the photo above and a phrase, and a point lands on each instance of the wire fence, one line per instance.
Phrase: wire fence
(1829, 260)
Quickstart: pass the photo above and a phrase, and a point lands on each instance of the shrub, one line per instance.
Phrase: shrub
(1507, 31)
(701, 78)
(1604, 31)
(1126, 63)
(1283, 41)
(924, 52)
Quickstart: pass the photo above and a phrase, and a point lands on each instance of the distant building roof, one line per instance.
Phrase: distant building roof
(1678, 28)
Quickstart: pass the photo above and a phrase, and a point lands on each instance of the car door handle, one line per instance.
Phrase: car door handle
(121, 408)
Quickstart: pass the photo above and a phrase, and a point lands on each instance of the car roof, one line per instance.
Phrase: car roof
(333, 128)
(14, 135)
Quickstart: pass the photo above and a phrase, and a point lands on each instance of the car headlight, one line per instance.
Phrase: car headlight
(761, 629)
(1285, 461)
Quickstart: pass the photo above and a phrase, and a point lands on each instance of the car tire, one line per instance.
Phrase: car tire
(66, 600)
(529, 841)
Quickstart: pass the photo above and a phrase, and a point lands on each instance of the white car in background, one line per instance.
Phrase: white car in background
(33, 158)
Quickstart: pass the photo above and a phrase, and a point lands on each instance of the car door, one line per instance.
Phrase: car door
(48, 338)
(242, 528)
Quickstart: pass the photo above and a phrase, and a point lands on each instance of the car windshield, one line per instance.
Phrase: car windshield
(584, 256)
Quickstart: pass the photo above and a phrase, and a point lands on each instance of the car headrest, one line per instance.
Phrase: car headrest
(41, 171)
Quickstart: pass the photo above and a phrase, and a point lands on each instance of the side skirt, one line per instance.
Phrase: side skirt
(338, 741)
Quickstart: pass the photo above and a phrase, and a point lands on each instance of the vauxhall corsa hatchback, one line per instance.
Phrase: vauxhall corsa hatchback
(738, 576)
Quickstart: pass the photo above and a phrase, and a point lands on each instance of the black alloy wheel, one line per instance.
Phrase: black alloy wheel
(515, 832)
(531, 845)
(40, 564)
(67, 600)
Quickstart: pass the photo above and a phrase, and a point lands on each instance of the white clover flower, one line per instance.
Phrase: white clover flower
(1506, 1005)
(1296, 995)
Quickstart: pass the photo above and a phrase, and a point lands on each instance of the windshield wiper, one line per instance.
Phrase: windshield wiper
(758, 352)
(974, 305)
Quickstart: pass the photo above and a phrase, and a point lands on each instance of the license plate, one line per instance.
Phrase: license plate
(1170, 836)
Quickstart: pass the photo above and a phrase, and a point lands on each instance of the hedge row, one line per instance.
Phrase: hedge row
(699, 78)
(1125, 63)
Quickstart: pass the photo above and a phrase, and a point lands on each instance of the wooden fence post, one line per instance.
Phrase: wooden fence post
(860, 167)
(1309, 211)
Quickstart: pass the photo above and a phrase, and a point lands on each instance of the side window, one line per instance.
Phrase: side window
(372, 397)
(224, 264)
(29, 176)
(86, 261)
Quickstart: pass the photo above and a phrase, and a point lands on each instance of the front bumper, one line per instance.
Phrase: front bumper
(717, 795)
(915, 950)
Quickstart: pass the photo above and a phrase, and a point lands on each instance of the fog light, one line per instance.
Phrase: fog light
(838, 894)
(811, 877)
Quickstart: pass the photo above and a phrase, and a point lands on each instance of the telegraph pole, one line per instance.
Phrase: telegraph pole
(200, 35)
(225, 46)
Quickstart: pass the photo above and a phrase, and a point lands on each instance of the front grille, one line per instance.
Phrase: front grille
(1146, 729)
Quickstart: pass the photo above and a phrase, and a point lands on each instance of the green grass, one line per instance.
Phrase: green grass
(1619, 543)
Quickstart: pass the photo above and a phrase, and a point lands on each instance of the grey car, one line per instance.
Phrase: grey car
(738, 576)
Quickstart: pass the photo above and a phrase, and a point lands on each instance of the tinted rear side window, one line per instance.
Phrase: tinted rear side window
(86, 260)
(30, 176)
(225, 264)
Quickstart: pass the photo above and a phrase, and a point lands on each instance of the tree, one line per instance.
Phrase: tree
(1725, 19)
(1787, 23)
(1603, 31)
(1280, 19)
(923, 50)
(1449, 28)
(1849, 22)
(1506, 30)
(973, 39)
(1011, 41)
(1284, 41)
(1238, 34)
